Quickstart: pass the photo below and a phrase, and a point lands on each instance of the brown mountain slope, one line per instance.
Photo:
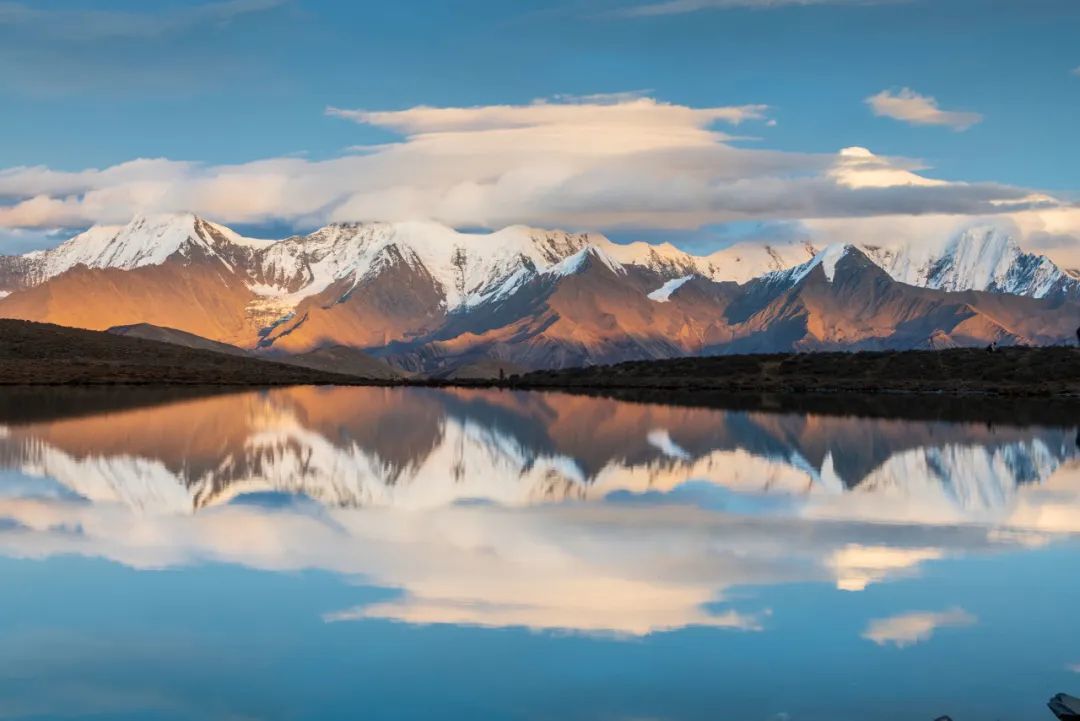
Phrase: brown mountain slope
(334, 359)
(176, 337)
(399, 302)
(587, 310)
(598, 313)
(339, 359)
(862, 308)
(199, 296)
(41, 353)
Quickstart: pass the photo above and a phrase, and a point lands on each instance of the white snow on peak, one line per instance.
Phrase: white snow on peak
(145, 241)
(662, 258)
(829, 257)
(981, 257)
(577, 262)
(468, 267)
(745, 261)
(826, 260)
(471, 268)
(663, 293)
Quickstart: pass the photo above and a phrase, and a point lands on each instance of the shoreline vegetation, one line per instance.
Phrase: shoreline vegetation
(37, 354)
(1007, 372)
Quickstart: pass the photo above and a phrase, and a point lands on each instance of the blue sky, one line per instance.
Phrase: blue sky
(96, 83)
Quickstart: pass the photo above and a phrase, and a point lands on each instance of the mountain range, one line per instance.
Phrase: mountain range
(424, 298)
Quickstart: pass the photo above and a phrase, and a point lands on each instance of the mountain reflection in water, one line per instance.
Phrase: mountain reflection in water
(422, 448)
(460, 497)
(484, 509)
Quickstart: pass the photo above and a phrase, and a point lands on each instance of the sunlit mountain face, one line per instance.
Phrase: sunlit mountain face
(325, 523)
(424, 298)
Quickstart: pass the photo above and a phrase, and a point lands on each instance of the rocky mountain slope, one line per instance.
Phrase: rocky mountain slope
(426, 298)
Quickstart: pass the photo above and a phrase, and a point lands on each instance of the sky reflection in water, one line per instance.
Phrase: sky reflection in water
(408, 553)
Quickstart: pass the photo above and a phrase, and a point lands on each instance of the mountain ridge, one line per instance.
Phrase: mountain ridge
(426, 298)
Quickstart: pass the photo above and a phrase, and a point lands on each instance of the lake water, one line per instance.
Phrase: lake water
(357, 553)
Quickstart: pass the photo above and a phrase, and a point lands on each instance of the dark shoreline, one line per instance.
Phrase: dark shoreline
(1051, 372)
(1025, 385)
(20, 404)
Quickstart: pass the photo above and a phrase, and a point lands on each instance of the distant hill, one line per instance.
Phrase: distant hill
(147, 331)
(333, 359)
(341, 359)
(40, 353)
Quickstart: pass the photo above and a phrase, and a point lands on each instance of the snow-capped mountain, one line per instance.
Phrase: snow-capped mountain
(145, 241)
(979, 258)
(428, 298)
(469, 266)
(466, 266)
(826, 259)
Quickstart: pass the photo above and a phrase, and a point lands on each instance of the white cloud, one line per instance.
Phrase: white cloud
(1076, 71)
(910, 107)
(678, 7)
(596, 163)
(859, 168)
(618, 110)
(911, 628)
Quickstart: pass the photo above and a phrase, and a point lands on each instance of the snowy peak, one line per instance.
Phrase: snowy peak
(662, 258)
(469, 268)
(145, 241)
(583, 260)
(749, 260)
(827, 260)
(979, 258)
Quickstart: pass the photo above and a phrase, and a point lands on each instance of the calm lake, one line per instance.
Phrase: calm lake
(362, 553)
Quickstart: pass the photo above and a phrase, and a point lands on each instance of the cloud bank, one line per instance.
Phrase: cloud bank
(597, 163)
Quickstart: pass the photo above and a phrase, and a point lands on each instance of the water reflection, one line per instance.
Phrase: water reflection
(420, 448)
(337, 553)
(547, 511)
